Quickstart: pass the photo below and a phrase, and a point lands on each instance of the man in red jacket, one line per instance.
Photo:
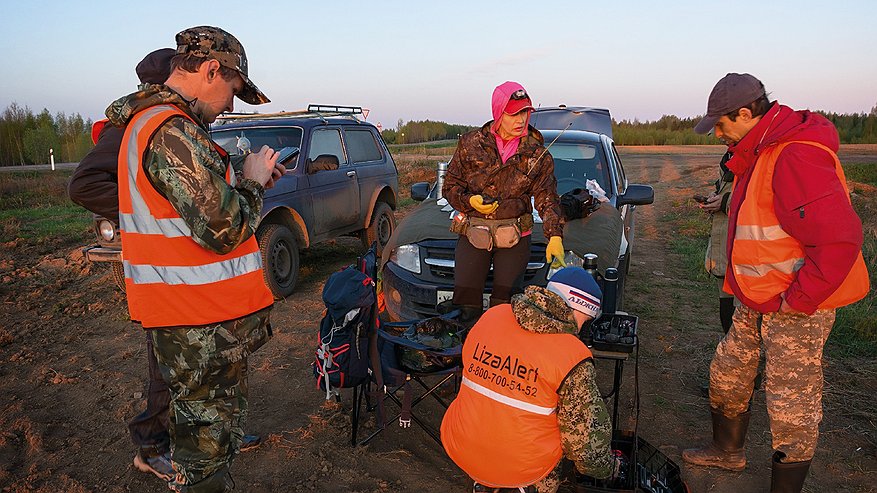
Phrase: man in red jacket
(794, 256)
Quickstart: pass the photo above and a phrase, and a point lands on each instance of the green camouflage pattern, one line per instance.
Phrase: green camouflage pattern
(793, 344)
(186, 168)
(213, 42)
(205, 368)
(550, 483)
(585, 428)
(477, 169)
(539, 310)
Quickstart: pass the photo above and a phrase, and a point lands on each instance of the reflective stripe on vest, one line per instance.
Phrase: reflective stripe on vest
(170, 279)
(508, 401)
(502, 428)
(764, 258)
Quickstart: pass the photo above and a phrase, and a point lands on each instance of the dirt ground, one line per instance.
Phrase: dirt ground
(73, 370)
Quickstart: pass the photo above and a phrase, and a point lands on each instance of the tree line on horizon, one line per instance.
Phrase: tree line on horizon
(855, 128)
(26, 137)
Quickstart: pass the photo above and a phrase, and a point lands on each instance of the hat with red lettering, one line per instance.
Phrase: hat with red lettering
(578, 288)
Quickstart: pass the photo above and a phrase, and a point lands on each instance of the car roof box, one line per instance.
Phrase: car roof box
(586, 118)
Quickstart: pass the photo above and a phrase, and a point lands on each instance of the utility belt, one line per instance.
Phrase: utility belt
(487, 234)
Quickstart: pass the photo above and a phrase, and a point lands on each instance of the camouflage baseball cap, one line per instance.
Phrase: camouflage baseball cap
(213, 42)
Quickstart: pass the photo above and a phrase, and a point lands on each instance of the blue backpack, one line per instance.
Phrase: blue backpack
(342, 357)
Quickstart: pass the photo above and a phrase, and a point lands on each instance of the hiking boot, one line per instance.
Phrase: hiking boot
(726, 449)
(250, 442)
(787, 477)
(159, 464)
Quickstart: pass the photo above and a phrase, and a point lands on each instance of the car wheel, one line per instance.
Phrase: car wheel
(380, 229)
(279, 259)
(119, 275)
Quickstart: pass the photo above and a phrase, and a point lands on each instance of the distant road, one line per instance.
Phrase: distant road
(37, 167)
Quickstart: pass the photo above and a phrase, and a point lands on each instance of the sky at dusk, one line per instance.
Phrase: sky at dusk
(441, 60)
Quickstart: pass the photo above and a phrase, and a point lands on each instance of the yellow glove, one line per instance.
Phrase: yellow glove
(477, 202)
(555, 249)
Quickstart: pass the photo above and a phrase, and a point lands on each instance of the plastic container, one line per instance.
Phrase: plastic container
(613, 332)
(648, 470)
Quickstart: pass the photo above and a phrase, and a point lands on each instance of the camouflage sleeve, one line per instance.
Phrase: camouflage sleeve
(545, 197)
(456, 188)
(585, 428)
(237, 164)
(183, 166)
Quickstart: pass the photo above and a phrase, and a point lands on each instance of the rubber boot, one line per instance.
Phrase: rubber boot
(726, 313)
(726, 449)
(787, 477)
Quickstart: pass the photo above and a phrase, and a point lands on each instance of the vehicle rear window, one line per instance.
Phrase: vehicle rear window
(576, 163)
(362, 146)
(326, 142)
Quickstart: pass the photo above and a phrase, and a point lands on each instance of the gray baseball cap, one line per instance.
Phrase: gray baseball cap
(731, 93)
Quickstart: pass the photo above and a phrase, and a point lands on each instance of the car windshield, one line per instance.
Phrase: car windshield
(275, 137)
(576, 163)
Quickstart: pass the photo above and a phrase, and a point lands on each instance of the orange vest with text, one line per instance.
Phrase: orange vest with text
(765, 258)
(170, 280)
(502, 428)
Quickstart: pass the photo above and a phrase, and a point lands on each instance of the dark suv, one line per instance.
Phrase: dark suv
(340, 180)
(419, 272)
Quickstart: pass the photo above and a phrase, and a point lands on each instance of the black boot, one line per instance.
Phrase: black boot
(787, 477)
(726, 313)
(726, 449)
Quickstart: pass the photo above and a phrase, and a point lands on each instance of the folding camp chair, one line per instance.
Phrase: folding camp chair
(397, 377)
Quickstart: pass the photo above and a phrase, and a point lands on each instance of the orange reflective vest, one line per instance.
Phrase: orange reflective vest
(170, 280)
(502, 428)
(765, 258)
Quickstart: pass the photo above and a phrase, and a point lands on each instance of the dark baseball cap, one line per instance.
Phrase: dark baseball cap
(155, 67)
(213, 42)
(731, 93)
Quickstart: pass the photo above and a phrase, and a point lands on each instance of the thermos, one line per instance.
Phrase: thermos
(610, 289)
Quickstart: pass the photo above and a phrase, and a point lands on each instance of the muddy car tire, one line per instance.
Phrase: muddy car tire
(280, 259)
(119, 275)
(381, 227)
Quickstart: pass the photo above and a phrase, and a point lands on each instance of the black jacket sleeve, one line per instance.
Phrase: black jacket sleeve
(94, 184)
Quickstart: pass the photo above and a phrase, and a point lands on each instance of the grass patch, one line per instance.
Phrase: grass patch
(861, 172)
(35, 208)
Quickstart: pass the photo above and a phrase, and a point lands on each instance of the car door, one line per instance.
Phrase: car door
(369, 163)
(620, 184)
(334, 192)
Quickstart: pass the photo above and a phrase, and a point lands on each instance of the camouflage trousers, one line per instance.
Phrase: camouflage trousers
(205, 368)
(793, 344)
(548, 484)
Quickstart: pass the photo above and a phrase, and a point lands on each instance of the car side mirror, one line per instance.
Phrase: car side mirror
(636, 195)
(420, 191)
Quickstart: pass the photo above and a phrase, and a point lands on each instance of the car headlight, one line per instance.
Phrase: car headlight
(407, 257)
(106, 230)
(571, 260)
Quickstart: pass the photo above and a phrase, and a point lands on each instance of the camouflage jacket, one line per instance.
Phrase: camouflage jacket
(184, 166)
(585, 428)
(477, 169)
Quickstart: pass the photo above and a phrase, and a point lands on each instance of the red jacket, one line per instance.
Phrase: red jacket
(809, 202)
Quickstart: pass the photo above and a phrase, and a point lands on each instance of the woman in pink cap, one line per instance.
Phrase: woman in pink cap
(490, 180)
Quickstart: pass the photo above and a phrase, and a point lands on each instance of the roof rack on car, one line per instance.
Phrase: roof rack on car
(321, 111)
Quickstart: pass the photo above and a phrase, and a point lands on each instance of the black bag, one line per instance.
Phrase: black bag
(342, 351)
(578, 204)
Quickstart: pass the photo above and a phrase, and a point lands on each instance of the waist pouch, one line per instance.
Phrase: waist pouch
(487, 234)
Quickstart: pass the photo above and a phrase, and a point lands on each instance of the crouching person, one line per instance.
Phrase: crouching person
(529, 395)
